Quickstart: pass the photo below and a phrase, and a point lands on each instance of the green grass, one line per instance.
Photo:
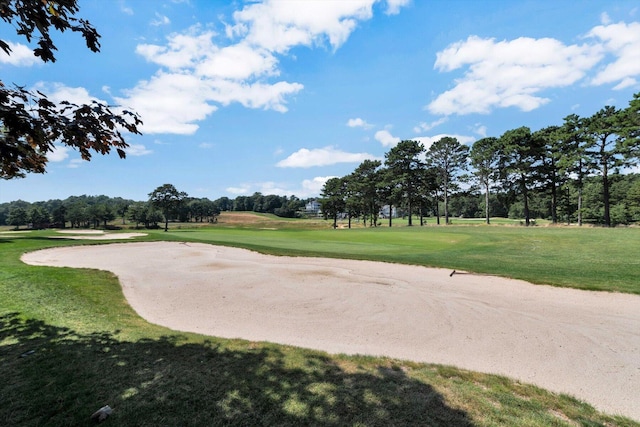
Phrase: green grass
(69, 344)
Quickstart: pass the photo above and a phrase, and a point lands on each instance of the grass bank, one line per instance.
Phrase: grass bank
(69, 344)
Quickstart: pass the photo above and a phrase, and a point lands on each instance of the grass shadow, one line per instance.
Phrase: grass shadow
(56, 376)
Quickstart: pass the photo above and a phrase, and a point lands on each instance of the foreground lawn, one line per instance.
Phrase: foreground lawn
(69, 344)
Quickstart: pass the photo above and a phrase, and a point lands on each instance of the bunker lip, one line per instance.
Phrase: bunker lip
(94, 235)
(565, 340)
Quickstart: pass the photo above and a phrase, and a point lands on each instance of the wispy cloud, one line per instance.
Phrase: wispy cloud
(423, 126)
(137, 150)
(305, 158)
(394, 6)
(307, 188)
(358, 123)
(160, 20)
(58, 154)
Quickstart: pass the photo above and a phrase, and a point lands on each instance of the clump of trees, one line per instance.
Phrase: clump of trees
(103, 212)
(574, 170)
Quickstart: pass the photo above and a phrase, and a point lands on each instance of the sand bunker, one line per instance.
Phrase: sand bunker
(583, 343)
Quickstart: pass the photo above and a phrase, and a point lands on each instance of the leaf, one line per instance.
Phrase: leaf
(4, 46)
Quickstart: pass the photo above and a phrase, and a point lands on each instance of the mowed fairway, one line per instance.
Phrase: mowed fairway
(74, 325)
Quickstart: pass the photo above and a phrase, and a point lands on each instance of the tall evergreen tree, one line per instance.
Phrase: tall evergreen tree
(607, 150)
(484, 160)
(404, 164)
(447, 157)
(332, 199)
(520, 163)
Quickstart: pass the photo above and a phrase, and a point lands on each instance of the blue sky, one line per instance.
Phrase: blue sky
(278, 96)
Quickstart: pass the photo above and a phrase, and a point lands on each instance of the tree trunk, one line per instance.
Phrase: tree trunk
(437, 209)
(446, 201)
(580, 206)
(605, 195)
(486, 202)
(554, 201)
(525, 193)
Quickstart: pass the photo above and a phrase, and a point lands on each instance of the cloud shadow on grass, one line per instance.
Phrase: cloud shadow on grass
(56, 376)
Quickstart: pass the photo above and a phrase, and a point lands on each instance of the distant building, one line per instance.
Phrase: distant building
(384, 212)
(312, 208)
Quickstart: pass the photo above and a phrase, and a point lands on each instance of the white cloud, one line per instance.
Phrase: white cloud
(75, 163)
(21, 56)
(58, 154)
(238, 62)
(394, 6)
(307, 188)
(386, 139)
(509, 73)
(182, 51)
(625, 83)
(202, 73)
(255, 95)
(243, 189)
(278, 26)
(305, 158)
(623, 42)
(481, 130)
(313, 187)
(137, 150)
(170, 103)
(160, 20)
(358, 122)
(513, 73)
(206, 145)
(58, 92)
(125, 8)
(270, 187)
(423, 126)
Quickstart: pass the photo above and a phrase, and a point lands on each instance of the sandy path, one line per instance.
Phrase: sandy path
(583, 343)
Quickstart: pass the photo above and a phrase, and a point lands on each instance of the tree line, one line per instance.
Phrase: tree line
(165, 204)
(545, 173)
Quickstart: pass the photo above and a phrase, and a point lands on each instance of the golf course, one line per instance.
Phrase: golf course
(235, 324)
